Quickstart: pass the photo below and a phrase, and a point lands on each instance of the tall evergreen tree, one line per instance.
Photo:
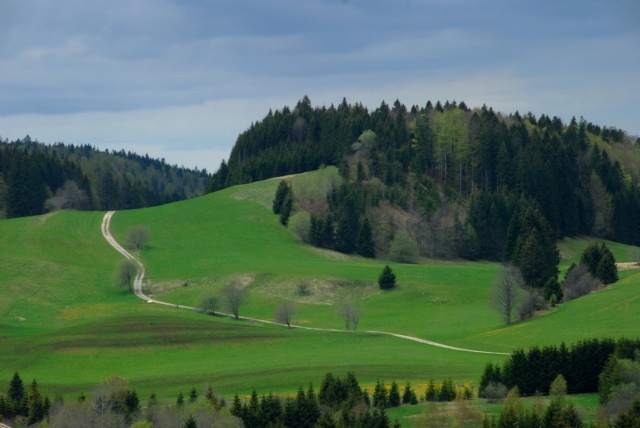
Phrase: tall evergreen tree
(282, 193)
(365, 246)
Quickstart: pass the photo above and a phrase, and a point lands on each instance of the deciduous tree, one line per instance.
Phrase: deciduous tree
(506, 291)
(209, 303)
(234, 295)
(137, 237)
(126, 274)
(284, 313)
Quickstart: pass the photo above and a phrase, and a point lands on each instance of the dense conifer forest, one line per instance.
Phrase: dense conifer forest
(36, 178)
(445, 181)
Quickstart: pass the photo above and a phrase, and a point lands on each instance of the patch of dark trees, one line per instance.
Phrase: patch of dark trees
(36, 178)
(425, 157)
(340, 402)
(534, 370)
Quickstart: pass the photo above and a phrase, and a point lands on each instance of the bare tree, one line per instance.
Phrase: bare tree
(506, 291)
(579, 282)
(350, 314)
(69, 196)
(209, 303)
(126, 274)
(137, 236)
(284, 313)
(234, 295)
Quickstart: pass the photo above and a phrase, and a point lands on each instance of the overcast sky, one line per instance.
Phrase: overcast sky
(180, 79)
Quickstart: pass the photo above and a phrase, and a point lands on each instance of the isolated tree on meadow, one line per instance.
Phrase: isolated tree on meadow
(387, 279)
(209, 303)
(350, 314)
(506, 291)
(126, 274)
(137, 237)
(284, 313)
(234, 295)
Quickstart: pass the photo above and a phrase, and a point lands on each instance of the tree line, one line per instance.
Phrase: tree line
(534, 370)
(340, 402)
(36, 178)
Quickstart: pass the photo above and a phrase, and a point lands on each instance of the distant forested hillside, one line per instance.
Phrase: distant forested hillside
(445, 180)
(36, 178)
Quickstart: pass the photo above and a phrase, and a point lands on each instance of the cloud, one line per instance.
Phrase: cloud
(164, 76)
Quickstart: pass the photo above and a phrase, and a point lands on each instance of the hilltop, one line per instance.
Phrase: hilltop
(444, 181)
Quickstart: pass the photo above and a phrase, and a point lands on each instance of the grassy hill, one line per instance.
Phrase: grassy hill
(63, 323)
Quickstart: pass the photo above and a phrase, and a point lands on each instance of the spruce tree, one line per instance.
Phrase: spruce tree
(380, 399)
(607, 270)
(35, 404)
(406, 395)
(394, 395)
(190, 422)
(281, 195)
(365, 246)
(431, 393)
(387, 279)
(16, 390)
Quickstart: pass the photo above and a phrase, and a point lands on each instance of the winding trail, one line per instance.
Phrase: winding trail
(137, 289)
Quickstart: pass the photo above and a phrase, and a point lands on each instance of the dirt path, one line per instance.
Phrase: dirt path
(137, 288)
(627, 265)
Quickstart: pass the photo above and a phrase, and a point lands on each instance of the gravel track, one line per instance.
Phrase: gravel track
(137, 289)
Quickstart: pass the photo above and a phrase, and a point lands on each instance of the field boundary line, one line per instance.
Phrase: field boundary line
(137, 289)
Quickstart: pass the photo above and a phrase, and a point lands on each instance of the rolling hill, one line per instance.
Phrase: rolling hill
(63, 323)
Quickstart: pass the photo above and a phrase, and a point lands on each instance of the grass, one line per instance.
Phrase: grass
(63, 323)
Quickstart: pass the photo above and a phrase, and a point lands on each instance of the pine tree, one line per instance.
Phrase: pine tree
(406, 395)
(180, 400)
(380, 399)
(394, 395)
(281, 195)
(35, 404)
(16, 391)
(190, 422)
(365, 245)
(607, 270)
(431, 393)
(387, 279)
(286, 209)
(193, 395)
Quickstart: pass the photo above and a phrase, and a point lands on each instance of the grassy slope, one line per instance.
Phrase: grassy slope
(78, 329)
(441, 301)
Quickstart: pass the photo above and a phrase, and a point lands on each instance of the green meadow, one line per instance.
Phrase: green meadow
(64, 323)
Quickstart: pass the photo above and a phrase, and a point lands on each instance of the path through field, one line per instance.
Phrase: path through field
(137, 288)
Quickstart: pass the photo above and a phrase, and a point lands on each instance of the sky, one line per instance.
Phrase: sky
(180, 79)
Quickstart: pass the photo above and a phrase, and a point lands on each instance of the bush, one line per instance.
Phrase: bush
(495, 392)
(300, 226)
(403, 248)
(579, 282)
(531, 303)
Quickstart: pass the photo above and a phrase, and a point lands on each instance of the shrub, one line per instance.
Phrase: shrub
(495, 392)
(404, 248)
(579, 282)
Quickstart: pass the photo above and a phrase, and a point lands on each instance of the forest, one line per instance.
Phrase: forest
(36, 178)
(443, 181)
